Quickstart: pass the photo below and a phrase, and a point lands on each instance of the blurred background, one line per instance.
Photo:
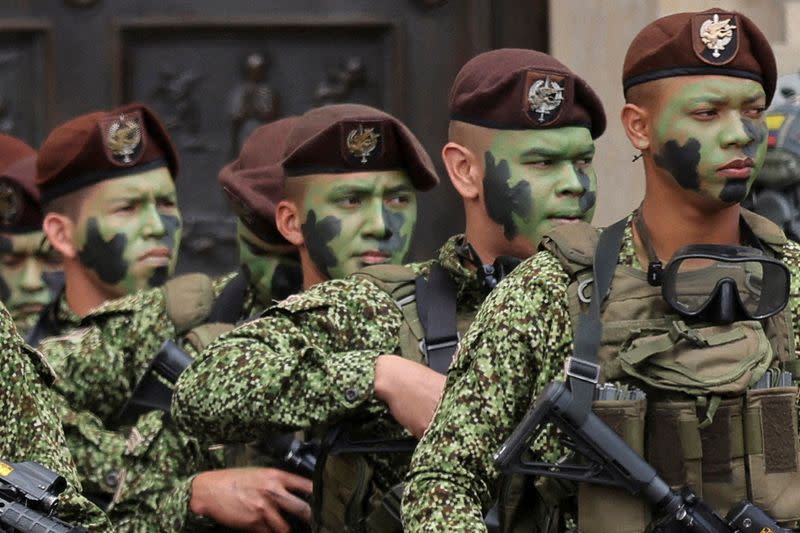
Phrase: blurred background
(215, 70)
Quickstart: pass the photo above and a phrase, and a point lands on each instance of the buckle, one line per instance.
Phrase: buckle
(582, 370)
(424, 347)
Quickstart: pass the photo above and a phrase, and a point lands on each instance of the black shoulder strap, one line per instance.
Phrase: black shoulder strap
(582, 368)
(47, 325)
(436, 307)
(227, 307)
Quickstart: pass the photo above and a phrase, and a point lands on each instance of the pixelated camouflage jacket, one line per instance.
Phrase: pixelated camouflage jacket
(309, 364)
(31, 430)
(102, 357)
(517, 344)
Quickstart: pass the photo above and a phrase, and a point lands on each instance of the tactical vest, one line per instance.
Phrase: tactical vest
(346, 498)
(701, 426)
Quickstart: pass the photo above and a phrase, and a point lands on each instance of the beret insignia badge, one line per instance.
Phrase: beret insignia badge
(123, 138)
(361, 142)
(716, 40)
(544, 97)
(10, 204)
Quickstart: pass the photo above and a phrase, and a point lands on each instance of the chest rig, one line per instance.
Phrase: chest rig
(702, 424)
(347, 493)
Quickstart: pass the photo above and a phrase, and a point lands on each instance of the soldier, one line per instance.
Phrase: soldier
(321, 359)
(107, 187)
(162, 465)
(31, 429)
(29, 267)
(696, 86)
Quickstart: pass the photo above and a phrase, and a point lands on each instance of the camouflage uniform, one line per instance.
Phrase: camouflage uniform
(516, 346)
(101, 358)
(311, 361)
(35, 433)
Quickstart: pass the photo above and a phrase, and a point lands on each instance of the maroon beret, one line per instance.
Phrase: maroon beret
(517, 89)
(103, 145)
(715, 42)
(253, 183)
(19, 199)
(356, 138)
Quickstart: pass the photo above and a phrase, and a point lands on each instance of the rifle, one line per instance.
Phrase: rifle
(613, 463)
(153, 392)
(29, 497)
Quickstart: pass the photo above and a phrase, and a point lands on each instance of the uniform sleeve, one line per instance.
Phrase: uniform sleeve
(31, 429)
(155, 487)
(310, 361)
(100, 363)
(515, 346)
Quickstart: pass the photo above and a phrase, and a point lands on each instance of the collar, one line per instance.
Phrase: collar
(470, 289)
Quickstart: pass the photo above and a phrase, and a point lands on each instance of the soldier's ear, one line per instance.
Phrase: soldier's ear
(464, 168)
(288, 221)
(635, 120)
(60, 231)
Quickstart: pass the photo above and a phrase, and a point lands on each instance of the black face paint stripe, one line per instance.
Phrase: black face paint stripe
(501, 200)
(588, 196)
(757, 131)
(54, 281)
(171, 225)
(681, 162)
(104, 257)
(317, 235)
(159, 276)
(734, 191)
(393, 222)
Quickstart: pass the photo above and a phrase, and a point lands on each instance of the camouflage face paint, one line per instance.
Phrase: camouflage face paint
(588, 196)
(172, 226)
(273, 270)
(317, 236)
(27, 263)
(702, 125)
(536, 179)
(129, 231)
(354, 220)
(681, 162)
(104, 257)
(503, 201)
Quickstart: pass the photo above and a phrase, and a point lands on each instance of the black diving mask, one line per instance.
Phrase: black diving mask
(722, 283)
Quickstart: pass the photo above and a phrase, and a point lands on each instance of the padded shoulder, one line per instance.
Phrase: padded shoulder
(572, 244)
(767, 231)
(189, 299)
(396, 280)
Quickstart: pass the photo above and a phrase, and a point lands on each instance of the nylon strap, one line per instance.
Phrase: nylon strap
(227, 307)
(47, 325)
(582, 368)
(436, 308)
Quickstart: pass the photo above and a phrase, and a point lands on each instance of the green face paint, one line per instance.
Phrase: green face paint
(273, 270)
(27, 263)
(535, 179)
(129, 230)
(359, 219)
(710, 137)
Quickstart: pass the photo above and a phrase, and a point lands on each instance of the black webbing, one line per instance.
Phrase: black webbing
(436, 308)
(47, 324)
(582, 367)
(228, 306)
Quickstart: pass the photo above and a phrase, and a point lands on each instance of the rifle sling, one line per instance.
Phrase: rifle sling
(582, 368)
(436, 308)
